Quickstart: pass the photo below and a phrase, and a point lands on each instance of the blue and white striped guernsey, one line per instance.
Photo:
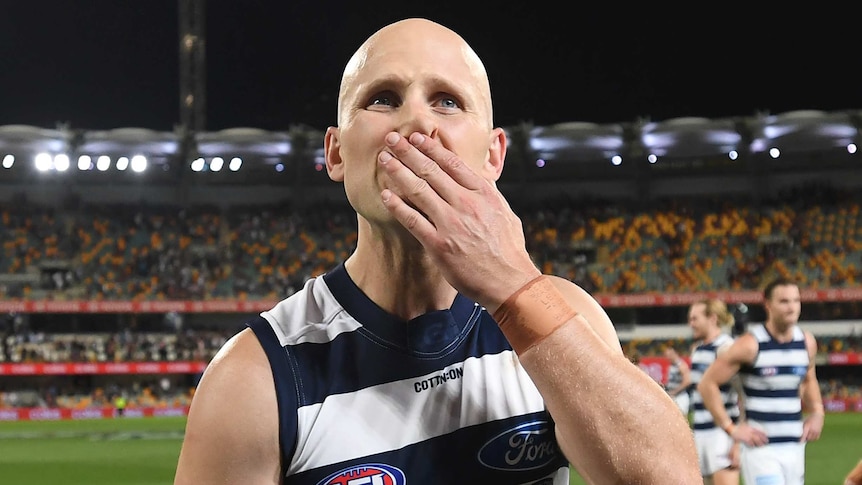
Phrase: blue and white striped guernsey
(771, 385)
(674, 377)
(701, 358)
(366, 398)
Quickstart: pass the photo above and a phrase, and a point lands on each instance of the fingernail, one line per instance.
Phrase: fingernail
(417, 138)
(384, 157)
(392, 138)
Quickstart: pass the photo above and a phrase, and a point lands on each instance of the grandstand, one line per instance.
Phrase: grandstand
(129, 256)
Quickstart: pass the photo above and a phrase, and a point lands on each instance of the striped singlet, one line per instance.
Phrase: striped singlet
(365, 398)
(701, 358)
(771, 385)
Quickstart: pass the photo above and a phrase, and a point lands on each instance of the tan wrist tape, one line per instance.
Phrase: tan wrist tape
(532, 313)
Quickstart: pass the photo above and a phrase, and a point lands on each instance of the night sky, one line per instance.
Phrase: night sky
(101, 64)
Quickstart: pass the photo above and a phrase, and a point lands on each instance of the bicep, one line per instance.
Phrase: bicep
(729, 360)
(589, 308)
(232, 430)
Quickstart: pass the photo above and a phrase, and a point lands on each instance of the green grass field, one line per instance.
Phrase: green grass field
(143, 451)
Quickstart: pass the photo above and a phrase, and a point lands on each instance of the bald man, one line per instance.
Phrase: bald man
(437, 353)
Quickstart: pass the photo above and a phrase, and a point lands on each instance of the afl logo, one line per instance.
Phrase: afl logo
(370, 474)
(525, 447)
(768, 371)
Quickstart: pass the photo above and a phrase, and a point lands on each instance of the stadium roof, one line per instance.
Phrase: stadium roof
(565, 144)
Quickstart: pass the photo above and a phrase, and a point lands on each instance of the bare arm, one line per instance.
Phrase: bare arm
(614, 423)
(232, 431)
(685, 372)
(812, 401)
(855, 475)
(725, 367)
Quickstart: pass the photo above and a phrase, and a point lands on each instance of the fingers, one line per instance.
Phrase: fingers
(759, 438)
(444, 172)
(447, 161)
(412, 220)
(426, 179)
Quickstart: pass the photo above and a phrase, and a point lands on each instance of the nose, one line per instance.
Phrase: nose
(417, 115)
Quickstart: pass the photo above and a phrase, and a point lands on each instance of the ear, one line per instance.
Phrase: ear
(332, 153)
(496, 154)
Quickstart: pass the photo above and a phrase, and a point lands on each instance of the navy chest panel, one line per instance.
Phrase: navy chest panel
(511, 451)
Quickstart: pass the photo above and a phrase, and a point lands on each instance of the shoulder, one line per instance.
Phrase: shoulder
(742, 349)
(237, 390)
(810, 342)
(232, 428)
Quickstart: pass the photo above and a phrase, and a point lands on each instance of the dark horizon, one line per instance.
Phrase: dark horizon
(102, 64)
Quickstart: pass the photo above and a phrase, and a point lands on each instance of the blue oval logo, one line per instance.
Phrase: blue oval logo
(527, 446)
(368, 474)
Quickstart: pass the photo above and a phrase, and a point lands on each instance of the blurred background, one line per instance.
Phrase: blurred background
(162, 180)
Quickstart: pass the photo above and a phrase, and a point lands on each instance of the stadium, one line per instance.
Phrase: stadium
(130, 255)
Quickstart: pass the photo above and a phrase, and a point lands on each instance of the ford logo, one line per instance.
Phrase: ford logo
(527, 446)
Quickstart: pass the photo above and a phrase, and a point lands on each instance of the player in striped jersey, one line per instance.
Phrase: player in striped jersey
(717, 452)
(437, 353)
(775, 363)
(678, 380)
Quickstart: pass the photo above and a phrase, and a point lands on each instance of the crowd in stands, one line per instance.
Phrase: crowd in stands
(811, 234)
(201, 345)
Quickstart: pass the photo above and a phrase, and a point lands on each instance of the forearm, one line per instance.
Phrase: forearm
(614, 423)
(711, 395)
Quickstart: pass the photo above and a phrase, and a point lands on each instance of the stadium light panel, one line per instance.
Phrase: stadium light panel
(216, 164)
(651, 158)
(617, 160)
(774, 152)
(8, 161)
(733, 154)
(139, 163)
(198, 164)
(43, 162)
(235, 164)
(103, 163)
(279, 167)
(61, 162)
(122, 163)
(85, 162)
(851, 148)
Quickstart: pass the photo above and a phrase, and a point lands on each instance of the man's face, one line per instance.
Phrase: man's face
(784, 306)
(698, 321)
(422, 82)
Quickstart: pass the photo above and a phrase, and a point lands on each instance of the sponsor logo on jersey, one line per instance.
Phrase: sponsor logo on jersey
(525, 447)
(368, 474)
(768, 371)
(439, 379)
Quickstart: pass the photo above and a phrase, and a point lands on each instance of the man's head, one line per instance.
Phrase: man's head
(706, 317)
(410, 76)
(783, 303)
(449, 53)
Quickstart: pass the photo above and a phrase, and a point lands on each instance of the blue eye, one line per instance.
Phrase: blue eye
(449, 103)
